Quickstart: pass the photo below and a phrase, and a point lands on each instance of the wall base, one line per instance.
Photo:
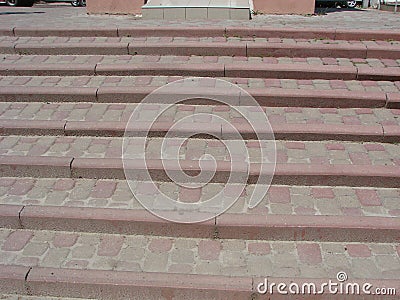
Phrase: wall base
(389, 8)
(114, 6)
(299, 7)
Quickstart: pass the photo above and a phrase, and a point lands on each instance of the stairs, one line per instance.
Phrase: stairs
(70, 227)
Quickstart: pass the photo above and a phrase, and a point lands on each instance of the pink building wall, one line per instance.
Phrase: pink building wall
(300, 7)
(114, 6)
(264, 6)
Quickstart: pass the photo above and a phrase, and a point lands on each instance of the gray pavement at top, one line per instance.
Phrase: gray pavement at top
(66, 16)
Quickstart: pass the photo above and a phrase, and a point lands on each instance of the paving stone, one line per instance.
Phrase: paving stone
(260, 266)
(17, 240)
(54, 257)
(65, 240)
(83, 252)
(156, 262)
(364, 268)
(358, 250)
(309, 253)
(35, 249)
(180, 268)
(160, 245)
(128, 266)
(387, 262)
(259, 248)
(110, 246)
(132, 254)
(209, 250)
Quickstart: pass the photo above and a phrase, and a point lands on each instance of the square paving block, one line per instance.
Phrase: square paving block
(153, 13)
(218, 13)
(193, 13)
(198, 3)
(219, 3)
(175, 13)
(240, 13)
(240, 3)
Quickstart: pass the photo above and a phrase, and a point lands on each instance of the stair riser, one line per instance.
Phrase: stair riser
(292, 174)
(291, 132)
(69, 49)
(95, 284)
(225, 226)
(205, 49)
(291, 33)
(264, 97)
(129, 285)
(204, 70)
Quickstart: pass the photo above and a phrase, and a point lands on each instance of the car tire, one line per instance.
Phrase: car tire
(26, 3)
(12, 2)
(78, 3)
(351, 4)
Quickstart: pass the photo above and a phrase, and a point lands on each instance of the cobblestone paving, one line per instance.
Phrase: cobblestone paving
(157, 81)
(131, 59)
(280, 200)
(321, 152)
(138, 253)
(62, 16)
(20, 297)
(172, 40)
(122, 112)
(198, 256)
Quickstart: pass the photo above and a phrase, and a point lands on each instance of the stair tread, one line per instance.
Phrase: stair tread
(91, 251)
(175, 39)
(43, 60)
(121, 112)
(202, 46)
(280, 200)
(296, 152)
(25, 297)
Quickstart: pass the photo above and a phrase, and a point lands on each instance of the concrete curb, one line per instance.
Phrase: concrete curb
(282, 131)
(239, 70)
(272, 97)
(112, 168)
(226, 226)
(130, 285)
(271, 32)
(242, 48)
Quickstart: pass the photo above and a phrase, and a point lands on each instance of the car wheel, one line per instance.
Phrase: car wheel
(27, 3)
(78, 3)
(351, 4)
(12, 2)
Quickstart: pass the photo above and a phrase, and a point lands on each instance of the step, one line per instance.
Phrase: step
(207, 47)
(329, 213)
(83, 264)
(85, 152)
(203, 31)
(95, 113)
(112, 168)
(288, 152)
(219, 66)
(196, 10)
(157, 81)
(282, 131)
(271, 97)
(25, 297)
